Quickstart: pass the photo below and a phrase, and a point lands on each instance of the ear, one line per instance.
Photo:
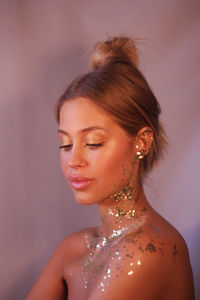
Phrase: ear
(143, 141)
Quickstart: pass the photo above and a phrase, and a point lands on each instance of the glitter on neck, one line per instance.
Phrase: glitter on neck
(127, 192)
(117, 218)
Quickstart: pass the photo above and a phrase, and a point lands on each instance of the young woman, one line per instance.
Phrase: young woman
(111, 137)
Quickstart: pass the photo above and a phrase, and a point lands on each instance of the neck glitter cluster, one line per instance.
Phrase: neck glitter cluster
(118, 248)
(104, 246)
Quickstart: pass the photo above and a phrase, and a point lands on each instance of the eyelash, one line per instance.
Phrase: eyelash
(93, 146)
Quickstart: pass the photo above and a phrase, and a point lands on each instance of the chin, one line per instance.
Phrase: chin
(84, 199)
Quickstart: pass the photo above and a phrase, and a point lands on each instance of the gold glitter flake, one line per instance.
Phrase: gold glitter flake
(130, 272)
(105, 247)
(126, 193)
(150, 247)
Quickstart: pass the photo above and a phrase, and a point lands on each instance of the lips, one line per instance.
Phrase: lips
(80, 183)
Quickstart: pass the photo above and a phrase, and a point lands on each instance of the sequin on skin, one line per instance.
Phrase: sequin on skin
(130, 272)
(151, 247)
(109, 251)
(105, 249)
(95, 264)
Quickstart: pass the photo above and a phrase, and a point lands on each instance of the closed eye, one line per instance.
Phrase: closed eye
(66, 147)
(93, 146)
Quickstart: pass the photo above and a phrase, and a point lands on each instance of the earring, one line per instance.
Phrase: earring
(139, 154)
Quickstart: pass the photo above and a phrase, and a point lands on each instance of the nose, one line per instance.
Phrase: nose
(77, 159)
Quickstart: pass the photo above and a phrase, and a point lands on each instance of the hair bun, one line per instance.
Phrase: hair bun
(118, 48)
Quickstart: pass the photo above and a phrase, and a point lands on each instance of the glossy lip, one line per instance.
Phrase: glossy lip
(79, 183)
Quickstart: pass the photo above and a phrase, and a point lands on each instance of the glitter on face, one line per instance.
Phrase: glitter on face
(108, 252)
(113, 250)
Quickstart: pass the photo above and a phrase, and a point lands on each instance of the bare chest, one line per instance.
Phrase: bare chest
(90, 273)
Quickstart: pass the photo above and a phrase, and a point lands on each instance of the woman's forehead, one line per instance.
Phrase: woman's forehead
(83, 113)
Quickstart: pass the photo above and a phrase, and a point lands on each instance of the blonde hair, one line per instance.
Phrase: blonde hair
(117, 86)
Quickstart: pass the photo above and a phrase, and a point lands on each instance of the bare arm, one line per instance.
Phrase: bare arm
(50, 284)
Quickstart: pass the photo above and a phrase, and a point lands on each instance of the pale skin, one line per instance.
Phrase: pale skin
(135, 254)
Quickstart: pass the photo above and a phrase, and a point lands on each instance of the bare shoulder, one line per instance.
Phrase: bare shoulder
(149, 263)
(165, 248)
(160, 256)
(74, 245)
(51, 283)
(164, 239)
(168, 241)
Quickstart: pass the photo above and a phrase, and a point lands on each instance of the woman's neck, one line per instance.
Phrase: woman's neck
(123, 212)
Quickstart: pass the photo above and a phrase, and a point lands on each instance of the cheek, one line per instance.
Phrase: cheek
(116, 167)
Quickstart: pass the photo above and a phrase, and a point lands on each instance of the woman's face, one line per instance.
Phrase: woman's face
(96, 155)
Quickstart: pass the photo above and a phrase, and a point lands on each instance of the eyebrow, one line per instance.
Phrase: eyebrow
(87, 129)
